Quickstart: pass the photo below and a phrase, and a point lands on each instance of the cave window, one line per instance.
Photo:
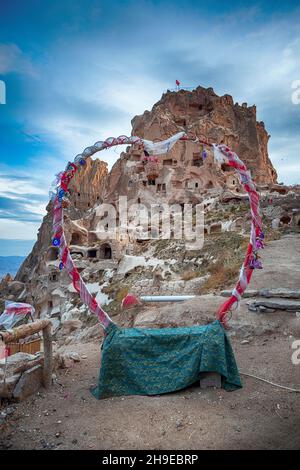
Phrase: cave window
(78, 194)
(158, 187)
(50, 304)
(151, 182)
(130, 182)
(196, 185)
(139, 200)
(75, 239)
(105, 251)
(167, 162)
(197, 159)
(104, 215)
(225, 167)
(174, 162)
(144, 183)
(53, 277)
(285, 219)
(164, 187)
(52, 254)
(180, 121)
(92, 253)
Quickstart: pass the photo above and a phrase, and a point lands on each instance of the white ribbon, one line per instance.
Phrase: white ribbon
(158, 148)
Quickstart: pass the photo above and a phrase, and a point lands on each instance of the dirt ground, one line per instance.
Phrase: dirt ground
(259, 416)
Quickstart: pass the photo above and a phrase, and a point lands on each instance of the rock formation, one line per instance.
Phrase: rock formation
(214, 119)
(187, 174)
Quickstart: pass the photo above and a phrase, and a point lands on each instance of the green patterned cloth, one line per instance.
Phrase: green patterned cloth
(138, 361)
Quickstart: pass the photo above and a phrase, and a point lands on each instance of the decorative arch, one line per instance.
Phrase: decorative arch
(222, 154)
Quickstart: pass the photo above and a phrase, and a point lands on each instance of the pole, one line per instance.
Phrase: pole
(166, 298)
(47, 371)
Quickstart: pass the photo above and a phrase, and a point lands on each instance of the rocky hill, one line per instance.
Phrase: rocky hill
(138, 261)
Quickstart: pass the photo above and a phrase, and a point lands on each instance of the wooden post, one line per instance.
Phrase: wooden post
(29, 329)
(24, 330)
(47, 371)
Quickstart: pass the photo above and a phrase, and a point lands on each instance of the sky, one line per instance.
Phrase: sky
(78, 71)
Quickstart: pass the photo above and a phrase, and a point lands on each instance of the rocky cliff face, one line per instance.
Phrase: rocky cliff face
(181, 176)
(213, 118)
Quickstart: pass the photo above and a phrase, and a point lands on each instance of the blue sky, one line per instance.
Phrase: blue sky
(78, 71)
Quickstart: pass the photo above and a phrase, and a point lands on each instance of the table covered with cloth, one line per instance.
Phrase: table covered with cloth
(137, 361)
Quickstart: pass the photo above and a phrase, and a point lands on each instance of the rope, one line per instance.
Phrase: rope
(271, 383)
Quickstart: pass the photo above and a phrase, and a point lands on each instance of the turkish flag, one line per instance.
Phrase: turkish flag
(177, 82)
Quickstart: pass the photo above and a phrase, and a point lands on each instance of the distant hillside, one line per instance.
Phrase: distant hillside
(10, 264)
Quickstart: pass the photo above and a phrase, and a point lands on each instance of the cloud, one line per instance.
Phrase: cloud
(11, 229)
(18, 209)
(19, 184)
(109, 63)
(23, 198)
(285, 156)
(94, 83)
(13, 60)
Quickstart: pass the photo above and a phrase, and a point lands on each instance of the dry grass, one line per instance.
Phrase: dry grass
(229, 250)
(121, 294)
(188, 275)
(222, 273)
(272, 234)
